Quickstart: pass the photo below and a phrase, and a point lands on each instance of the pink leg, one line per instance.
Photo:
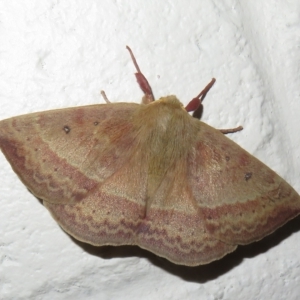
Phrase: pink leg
(231, 130)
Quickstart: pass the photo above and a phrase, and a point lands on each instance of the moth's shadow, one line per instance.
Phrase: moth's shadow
(199, 274)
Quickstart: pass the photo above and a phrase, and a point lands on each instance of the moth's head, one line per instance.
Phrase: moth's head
(162, 110)
(171, 101)
(168, 104)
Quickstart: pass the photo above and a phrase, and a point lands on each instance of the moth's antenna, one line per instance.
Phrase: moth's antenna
(196, 103)
(196, 106)
(203, 93)
(142, 81)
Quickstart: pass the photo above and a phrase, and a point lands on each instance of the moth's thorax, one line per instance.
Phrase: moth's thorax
(165, 123)
(166, 133)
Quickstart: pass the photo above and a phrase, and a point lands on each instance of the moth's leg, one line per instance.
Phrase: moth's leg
(196, 106)
(142, 81)
(105, 97)
(231, 130)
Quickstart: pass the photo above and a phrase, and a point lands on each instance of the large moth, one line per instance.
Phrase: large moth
(147, 174)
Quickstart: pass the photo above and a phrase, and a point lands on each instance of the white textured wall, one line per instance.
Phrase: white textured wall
(56, 54)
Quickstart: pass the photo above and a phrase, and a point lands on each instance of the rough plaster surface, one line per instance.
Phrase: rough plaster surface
(56, 54)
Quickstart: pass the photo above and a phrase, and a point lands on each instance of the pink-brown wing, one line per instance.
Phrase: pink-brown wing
(63, 155)
(110, 214)
(117, 214)
(173, 227)
(240, 199)
(90, 165)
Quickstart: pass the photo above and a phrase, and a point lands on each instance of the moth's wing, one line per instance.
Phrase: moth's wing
(118, 211)
(63, 155)
(112, 213)
(240, 199)
(116, 214)
(173, 227)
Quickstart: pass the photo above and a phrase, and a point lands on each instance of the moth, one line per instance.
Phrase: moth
(147, 174)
